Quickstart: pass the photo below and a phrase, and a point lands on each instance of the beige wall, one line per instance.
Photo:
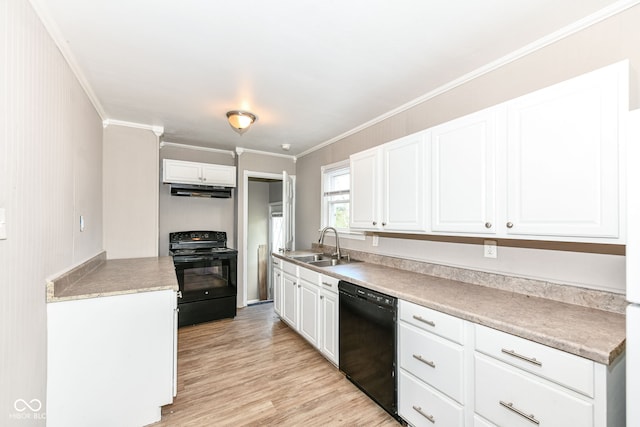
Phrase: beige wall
(609, 41)
(253, 162)
(194, 213)
(50, 174)
(130, 192)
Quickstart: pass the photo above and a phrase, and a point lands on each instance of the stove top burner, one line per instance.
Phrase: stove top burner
(198, 243)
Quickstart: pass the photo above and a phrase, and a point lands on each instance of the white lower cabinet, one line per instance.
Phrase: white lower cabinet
(308, 302)
(329, 318)
(508, 396)
(421, 405)
(432, 370)
(309, 310)
(290, 295)
(276, 281)
(111, 359)
(455, 373)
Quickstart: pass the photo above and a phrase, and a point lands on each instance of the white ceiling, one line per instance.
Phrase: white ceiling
(310, 70)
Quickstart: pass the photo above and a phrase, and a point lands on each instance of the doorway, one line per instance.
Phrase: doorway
(264, 233)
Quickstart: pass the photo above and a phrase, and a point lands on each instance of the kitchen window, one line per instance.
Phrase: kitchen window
(336, 182)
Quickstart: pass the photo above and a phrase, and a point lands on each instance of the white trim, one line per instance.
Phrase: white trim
(245, 221)
(55, 33)
(196, 147)
(241, 150)
(562, 33)
(158, 130)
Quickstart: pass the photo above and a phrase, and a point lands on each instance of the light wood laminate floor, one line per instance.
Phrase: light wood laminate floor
(255, 371)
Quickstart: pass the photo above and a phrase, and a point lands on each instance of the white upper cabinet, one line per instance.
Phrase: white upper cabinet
(403, 196)
(563, 157)
(365, 189)
(387, 186)
(182, 172)
(544, 166)
(463, 173)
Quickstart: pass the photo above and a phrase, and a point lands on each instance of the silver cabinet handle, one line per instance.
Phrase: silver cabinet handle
(423, 320)
(487, 225)
(509, 225)
(384, 224)
(423, 360)
(529, 417)
(375, 223)
(421, 412)
(327, 284)
(321, 296)
(179, 294)
(532, 360)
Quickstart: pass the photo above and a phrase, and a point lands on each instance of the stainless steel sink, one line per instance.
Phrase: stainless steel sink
(309, 258)
(321, 260)
(330, 262)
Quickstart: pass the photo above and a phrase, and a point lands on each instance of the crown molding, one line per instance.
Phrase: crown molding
(562, 33)
(158, 130)
(196, 147)
(241, 150)
(39, 6)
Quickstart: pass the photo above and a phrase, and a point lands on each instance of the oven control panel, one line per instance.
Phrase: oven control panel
(195, 236)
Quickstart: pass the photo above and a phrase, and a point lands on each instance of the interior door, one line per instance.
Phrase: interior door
(288, 210)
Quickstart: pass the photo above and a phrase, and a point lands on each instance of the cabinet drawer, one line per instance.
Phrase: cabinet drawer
(433, 321)
(417, 402)
(507, 396)
(290, 268)
(276, 262)
(309, 275)
(329, 283)
(555, 365)
(432, 359)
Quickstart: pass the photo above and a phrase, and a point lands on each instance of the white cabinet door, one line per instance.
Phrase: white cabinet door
(563, 159)
(181, 172)
(463, 174)
(290, 300)
(276, 280)
(365, 190)
(329, 325)
(219, 175)
(403, 184)
(309, 311)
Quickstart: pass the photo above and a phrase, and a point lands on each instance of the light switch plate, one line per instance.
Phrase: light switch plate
(81, 222)
(490, 249)
(3, 224)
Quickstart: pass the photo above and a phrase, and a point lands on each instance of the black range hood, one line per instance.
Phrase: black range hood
(194, 190)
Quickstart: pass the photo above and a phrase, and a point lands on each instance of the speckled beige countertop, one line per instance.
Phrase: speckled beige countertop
(100, 277)
(594, 334)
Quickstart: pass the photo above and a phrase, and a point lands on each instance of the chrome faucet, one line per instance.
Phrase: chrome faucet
(321, 240)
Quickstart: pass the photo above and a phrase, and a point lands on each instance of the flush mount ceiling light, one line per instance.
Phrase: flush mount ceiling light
(241, 121)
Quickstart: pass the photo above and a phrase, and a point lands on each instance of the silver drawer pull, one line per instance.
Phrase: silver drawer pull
(521, 357)
(427, 416)
(510, 407)
(421, 319)
(423, 360)
(327, 284)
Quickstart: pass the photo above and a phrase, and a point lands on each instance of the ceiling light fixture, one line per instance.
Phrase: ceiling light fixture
(241, 121)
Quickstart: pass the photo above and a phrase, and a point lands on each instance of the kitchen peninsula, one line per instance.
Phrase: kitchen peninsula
(113, 326)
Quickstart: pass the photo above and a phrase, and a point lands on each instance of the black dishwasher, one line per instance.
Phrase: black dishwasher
(367, 337)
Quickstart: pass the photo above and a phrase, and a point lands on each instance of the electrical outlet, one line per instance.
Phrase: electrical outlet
(490, 249)
(376, 240)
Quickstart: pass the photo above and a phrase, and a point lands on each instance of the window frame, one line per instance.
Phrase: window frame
(325, 172)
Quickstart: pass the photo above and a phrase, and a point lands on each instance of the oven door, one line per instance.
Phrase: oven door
(201, 278)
